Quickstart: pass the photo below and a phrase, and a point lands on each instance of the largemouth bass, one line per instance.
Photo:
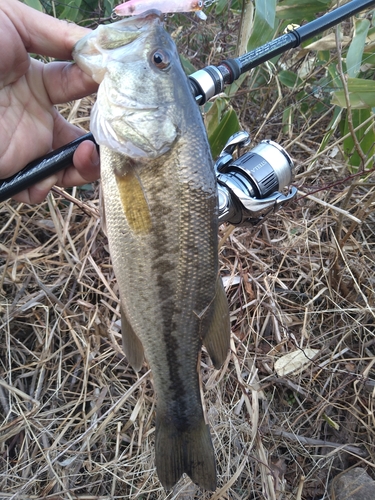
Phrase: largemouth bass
(160, 199)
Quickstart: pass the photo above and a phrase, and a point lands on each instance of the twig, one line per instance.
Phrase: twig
(318, 442)
(328, 205)
(113, 409)
(19, 393)
(91, 212)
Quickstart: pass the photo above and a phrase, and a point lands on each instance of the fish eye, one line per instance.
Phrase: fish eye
(161, 59)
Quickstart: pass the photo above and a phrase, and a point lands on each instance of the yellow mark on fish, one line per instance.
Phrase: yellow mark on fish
(134, 203)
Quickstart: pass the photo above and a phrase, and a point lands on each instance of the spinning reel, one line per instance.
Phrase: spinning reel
(250, 186)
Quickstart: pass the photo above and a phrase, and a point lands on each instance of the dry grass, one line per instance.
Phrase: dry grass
(77, 422)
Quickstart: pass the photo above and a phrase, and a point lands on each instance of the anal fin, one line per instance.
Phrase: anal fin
(217, 337)
(131, 344)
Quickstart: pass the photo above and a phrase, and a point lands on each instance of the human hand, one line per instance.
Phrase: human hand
(30, 125)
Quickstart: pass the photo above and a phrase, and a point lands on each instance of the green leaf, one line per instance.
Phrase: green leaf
(264, 23)
(290, 79)
(220, 128)
(301, 10)
(365, 136)
(331, 422)
(187, 66)
(370, 59)
(231, 90)
(361, 94)
(335, 81)
(71, 11)
(220, 6)
(236, 5)
(319, 4)
(355, 52)
(331, 129)
(266, 10)
(287, 120)
(213, 113)
(108, 7)
(35, 4)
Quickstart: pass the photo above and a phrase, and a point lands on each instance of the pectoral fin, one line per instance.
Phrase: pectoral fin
(217, 338)
(134, 203)
(131, 344)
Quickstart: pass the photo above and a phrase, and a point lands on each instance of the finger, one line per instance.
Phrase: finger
(43, 34)
(36, 193)
(86, 169)
(64, 132)
(66, 82)
(86, 166)
(14, 60)
(86, 162)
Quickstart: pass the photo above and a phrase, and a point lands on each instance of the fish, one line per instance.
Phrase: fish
(161, 212)
(134, 7)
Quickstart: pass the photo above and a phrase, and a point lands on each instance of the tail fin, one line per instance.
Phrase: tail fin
(189, 451)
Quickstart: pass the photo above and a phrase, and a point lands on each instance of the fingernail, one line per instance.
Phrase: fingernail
(94, 157)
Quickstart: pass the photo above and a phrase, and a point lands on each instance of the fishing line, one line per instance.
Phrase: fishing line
(50, 6)
(86, 8)
(312, 94)
(207, 3)
(57, 160)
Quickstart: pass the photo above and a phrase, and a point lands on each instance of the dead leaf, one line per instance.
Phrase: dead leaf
(295, 362)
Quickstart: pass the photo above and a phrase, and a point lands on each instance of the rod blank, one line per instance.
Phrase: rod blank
(205, 84)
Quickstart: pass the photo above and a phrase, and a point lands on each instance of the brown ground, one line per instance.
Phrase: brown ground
(78, 423)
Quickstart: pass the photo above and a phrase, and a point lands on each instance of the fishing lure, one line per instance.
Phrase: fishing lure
(135, 7)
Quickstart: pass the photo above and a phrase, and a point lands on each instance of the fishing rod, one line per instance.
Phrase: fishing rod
(249, 186)
(211, 80)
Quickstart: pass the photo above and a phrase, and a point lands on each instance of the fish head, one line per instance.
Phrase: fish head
(136, 63)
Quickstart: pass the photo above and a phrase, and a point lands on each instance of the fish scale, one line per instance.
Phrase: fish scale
(175, 313)
(160, 200)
